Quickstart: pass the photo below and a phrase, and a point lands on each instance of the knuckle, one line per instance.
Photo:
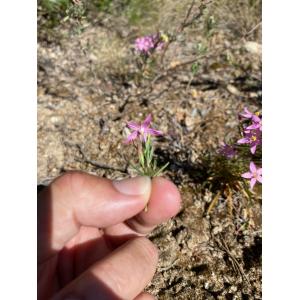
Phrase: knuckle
(74, 181)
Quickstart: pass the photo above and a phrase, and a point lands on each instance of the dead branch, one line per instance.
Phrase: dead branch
(252, 30)
(185, 23)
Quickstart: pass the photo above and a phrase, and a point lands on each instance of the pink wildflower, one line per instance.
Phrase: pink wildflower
(148, 43)
(256, 123)
(227, 150)
(254, 175)
(248, 114)
(141, 130)
(144, 44)
(251, 137)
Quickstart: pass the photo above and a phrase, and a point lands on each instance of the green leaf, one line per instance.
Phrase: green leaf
(139, 171)
(142, 160)
(160, 170)
(195, 68)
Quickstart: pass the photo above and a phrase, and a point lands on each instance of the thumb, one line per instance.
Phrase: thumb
(78, 199)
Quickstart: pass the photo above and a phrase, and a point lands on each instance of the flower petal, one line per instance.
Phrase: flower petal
(243, 141)
(247, 114)
(131, 137)
(247, 175)
(252, 167)
(133, 125)
(152, 131)
(256, 119)
(253, 149)
(147, 121)
(259, 178)
(253, 126)
(252, 182)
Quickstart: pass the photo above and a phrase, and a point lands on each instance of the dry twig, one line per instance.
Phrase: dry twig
(185, 23)
(222, 245)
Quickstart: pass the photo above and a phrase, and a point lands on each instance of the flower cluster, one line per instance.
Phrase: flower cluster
(144, 44)
(252, 133)
(147, 44)
(251, 124)
(141, 138)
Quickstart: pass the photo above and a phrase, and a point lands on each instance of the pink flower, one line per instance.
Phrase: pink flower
(142, 131)
(256, 123)
(144, 44)
(227, 150)
(251, 137)
(148, 43)
(249, 115)
(254, 175)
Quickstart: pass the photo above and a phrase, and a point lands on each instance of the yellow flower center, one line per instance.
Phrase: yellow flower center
(164, 37)
(253, 138)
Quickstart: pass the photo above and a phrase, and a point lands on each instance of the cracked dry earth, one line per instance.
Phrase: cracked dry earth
(81, 117)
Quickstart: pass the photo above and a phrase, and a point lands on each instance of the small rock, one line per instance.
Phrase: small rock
(233, 289)
(216, 230)
(233, 90)
(253, 47)
(194, 93)
(191, 121)
(174, 63)
(57, 120)
(207, 285)
(253, 95)
(194, 112)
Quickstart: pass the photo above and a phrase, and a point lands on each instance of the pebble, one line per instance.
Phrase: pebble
(233, 90)
(57, 120)
(253, 47)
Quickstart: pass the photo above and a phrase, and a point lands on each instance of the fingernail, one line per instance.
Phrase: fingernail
(133, 186)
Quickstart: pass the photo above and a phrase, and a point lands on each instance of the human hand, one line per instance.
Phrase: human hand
(90, 236)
